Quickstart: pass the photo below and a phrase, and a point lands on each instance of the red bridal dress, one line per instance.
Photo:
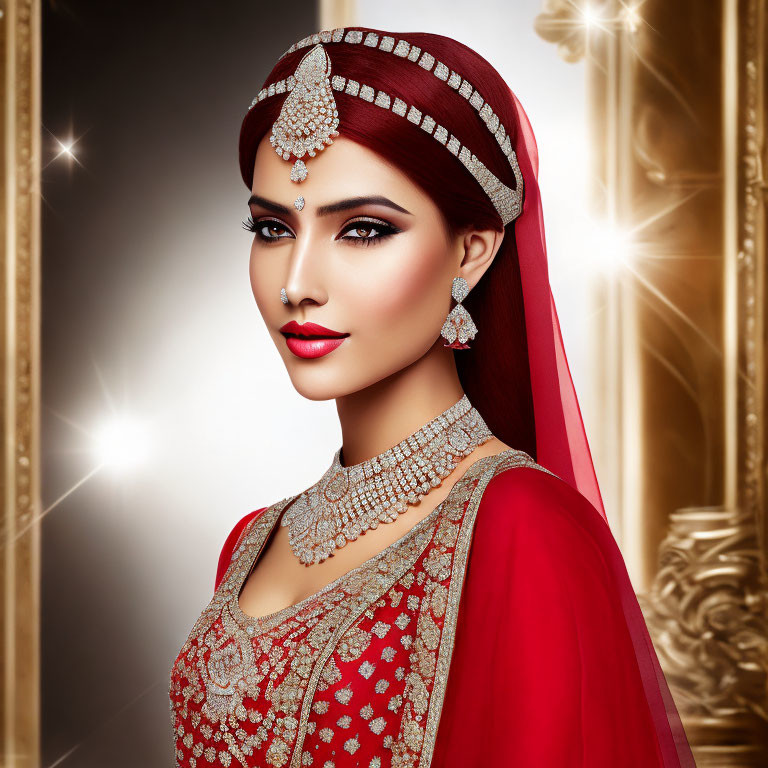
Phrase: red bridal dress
(493, 633)
(501, 630)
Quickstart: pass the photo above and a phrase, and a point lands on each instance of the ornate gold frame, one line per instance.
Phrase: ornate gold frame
(20, 254)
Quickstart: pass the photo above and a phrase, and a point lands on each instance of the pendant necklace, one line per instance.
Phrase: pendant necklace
(347, 501)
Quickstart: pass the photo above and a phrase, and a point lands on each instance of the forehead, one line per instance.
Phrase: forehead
(344, 168)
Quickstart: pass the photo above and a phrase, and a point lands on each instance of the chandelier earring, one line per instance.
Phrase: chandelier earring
(458, 327)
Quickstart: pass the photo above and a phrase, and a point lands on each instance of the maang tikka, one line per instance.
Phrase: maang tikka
(458, 327)
(308, 119)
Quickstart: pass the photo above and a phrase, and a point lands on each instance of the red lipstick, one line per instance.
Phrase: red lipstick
(310, 340)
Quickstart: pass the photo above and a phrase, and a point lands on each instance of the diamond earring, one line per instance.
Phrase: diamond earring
(283, 296)
(458, 327)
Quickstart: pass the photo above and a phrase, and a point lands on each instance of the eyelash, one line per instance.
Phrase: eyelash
(386, 230)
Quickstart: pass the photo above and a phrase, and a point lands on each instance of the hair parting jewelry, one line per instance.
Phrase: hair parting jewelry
(309, 119)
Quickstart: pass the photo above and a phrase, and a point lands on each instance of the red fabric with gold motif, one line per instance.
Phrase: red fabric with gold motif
(536, 668)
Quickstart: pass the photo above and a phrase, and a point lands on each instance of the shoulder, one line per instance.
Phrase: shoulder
(521, 483)
(529, 494)
(542, 519)
(230, 543)
(538, 543)
(548, 603)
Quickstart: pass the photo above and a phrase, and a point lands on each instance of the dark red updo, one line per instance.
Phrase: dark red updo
(494, 370)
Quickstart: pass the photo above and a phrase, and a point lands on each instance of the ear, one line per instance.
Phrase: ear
(477, 249)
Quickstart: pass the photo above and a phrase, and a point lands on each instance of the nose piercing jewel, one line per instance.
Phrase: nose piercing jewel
(458, 327)
(283, 296)
(298, 203)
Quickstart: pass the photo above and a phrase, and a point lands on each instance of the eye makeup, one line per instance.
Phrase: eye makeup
(381, 228)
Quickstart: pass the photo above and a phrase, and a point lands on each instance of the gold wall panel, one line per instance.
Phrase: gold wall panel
(677, 107)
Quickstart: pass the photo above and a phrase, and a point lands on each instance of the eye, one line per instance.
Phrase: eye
(362, 232)
(368, 231)
(267, 230)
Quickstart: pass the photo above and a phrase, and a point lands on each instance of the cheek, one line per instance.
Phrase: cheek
(264, 282)
(405, 291)
(267, 278)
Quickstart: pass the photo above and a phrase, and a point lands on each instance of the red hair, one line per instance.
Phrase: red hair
(499, 385)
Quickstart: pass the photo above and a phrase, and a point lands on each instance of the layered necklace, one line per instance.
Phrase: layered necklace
(347, 501)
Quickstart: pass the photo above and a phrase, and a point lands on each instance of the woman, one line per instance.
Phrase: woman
(449, 592)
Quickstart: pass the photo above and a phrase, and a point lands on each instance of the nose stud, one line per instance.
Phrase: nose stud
(283, 296)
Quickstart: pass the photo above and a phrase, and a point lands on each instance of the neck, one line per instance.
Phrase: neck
(380, 416)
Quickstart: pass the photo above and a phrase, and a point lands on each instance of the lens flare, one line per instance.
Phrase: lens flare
(121, 443)
(66, 148)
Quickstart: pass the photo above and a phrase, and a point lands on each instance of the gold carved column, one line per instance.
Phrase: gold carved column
(20, 334)
(678, 112)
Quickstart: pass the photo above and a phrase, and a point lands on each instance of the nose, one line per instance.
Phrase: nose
(304, 282)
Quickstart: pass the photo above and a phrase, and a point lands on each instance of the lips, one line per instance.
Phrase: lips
(311, 330)
(309, 340)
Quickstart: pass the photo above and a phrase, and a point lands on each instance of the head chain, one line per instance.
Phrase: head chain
(506, 201)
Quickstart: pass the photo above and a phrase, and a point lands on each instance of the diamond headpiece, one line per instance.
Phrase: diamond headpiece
(311, 126)
(309, 118)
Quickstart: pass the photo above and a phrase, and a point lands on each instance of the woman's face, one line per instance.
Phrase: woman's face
(367, 256)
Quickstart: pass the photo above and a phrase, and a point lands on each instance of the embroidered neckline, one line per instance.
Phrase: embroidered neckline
(285, 613)
(223, 673)
(273, 619)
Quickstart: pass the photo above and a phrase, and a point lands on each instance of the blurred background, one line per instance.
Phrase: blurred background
(145, 404)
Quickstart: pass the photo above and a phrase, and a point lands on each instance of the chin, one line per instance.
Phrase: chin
(316, 385)
(330, 384)
(328, 379)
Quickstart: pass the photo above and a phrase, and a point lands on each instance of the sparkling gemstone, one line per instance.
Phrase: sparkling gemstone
(299, 171)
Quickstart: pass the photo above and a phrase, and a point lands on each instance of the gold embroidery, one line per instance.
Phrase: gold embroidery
(287, 658)
(228, 645)
(501, 462)
(439, 600)
(354, 643)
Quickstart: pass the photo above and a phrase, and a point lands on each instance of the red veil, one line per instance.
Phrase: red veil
(561, 443)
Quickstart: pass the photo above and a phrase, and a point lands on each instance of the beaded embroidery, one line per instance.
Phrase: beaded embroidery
(366, 655)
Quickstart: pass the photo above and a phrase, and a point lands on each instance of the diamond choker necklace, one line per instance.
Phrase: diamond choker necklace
(347, 501)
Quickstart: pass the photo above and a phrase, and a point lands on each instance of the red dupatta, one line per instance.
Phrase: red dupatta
(549, 664)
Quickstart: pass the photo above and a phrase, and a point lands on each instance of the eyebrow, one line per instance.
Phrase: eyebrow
(325, 210)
